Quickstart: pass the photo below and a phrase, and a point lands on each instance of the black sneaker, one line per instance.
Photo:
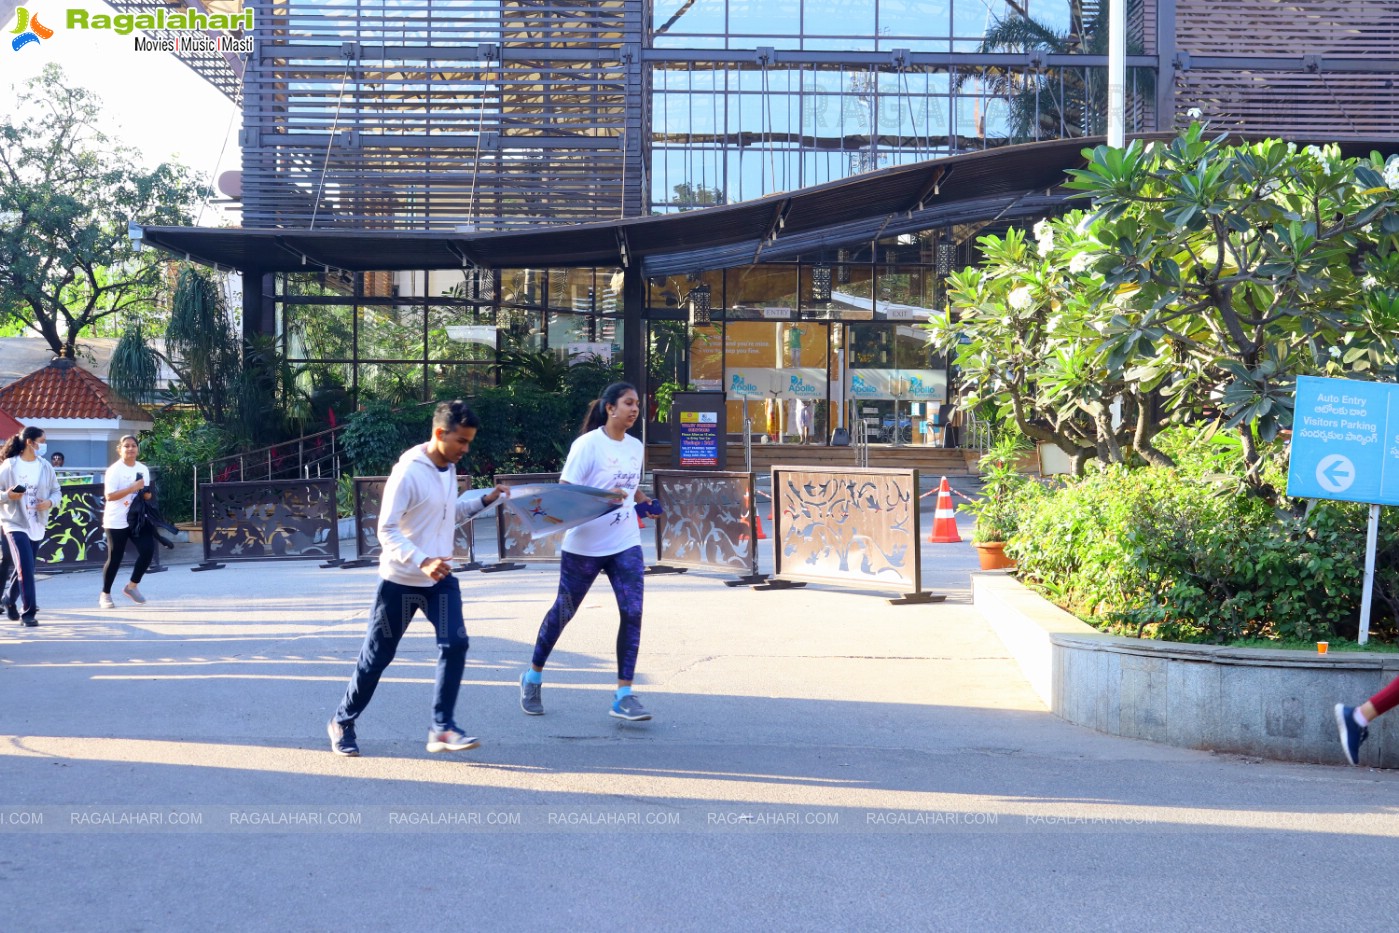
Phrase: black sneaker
(342, 738)
(1353, 735)
(28, 621)
(11, 610)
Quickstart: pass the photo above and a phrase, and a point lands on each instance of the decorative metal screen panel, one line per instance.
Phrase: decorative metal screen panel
(369, 497)
(709, 522)
(850, 527)
(75, 538)
(512, 541)
(275, 520)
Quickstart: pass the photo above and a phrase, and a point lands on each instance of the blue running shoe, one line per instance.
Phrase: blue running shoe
(629, 708)
(1353, 735)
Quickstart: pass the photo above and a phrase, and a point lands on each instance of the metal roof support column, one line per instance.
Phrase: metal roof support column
(1165, 65)
(634, 333)
(259, 309)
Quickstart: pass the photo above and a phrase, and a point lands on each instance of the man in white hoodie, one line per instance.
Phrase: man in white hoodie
(417, 522)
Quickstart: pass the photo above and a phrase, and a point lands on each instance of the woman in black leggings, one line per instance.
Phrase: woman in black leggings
(125, 480)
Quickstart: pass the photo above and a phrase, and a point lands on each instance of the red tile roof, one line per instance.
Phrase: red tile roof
(8, 425)
(65, 390)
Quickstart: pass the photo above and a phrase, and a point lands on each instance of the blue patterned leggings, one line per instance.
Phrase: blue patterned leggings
(576, 575)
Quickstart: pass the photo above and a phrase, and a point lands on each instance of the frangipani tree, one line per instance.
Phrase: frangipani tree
(1207, 278)
(1026, 332)
(1237, 268)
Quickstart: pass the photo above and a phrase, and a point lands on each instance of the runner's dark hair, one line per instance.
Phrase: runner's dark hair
(597, 410)
(15, 445)
(455, 414)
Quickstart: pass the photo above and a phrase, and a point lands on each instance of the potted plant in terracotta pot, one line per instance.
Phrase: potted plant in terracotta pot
(996, 509)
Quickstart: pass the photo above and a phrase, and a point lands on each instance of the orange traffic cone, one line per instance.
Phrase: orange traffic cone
(762, 536)
(944, 518)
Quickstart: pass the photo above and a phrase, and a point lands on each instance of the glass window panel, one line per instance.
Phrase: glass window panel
(899, 19)
(571, 290)
(459, 380)
(699, 17)
(761, 286)
(446, 283)
(1056, 14)
(907, 292)
(566, 328)
(846, 44)
(461, 334)
(396, 383)
(838, 17)
(319, 332)
(390, 332)
(521, 329)
(410, 284)
(707, 357)
(764, 17)
(522, 287)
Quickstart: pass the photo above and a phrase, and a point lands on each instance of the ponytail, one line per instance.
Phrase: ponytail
(15, 445)
(597, 409)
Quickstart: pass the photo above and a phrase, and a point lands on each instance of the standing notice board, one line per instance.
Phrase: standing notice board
(700, 426)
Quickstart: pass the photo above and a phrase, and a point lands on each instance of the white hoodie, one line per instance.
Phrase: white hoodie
(419, 516)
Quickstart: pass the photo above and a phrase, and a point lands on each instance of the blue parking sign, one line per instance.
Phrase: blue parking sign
(1345, 441)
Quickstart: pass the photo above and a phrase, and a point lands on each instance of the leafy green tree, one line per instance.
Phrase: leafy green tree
(67, 192)
(1232, 269)
(1025, 333)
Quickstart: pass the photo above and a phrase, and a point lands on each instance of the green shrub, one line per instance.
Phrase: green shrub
(1161, 553)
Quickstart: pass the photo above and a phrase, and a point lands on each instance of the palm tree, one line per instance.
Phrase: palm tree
(1053, 103)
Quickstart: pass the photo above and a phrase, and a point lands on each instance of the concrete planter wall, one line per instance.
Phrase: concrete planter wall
(1269, 703)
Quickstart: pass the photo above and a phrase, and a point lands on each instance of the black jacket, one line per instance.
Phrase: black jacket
(144, 518)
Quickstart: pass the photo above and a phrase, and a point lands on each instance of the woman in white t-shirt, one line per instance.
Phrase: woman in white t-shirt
(604, 456)
(125, 479)
(30, 491)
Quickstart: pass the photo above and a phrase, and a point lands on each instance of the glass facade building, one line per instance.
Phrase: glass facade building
(467, 116)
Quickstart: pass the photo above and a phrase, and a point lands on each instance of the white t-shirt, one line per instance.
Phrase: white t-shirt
(120, 476)
(28, 473)
(597, 460)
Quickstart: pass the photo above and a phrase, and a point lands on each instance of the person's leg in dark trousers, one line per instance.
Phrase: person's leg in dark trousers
(442, 606)
(388, 620)
(394, 607)
(9, 582)
(625, 571)
(116, 547)
(576, 576)
(22, 549)
(145, 550)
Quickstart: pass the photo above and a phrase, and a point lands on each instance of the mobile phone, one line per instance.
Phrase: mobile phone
(18, 488)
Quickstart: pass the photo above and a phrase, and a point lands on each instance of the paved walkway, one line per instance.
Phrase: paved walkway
(819, 760)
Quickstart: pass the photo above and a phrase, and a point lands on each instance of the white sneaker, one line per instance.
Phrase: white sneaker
(131, 590)
(105, 602)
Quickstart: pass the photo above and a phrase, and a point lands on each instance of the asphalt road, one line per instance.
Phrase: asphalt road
(819, 760)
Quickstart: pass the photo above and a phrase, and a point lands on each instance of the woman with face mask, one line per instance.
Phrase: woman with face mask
(30, 491)
(125, 480)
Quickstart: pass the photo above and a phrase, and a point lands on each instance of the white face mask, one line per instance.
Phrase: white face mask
(41, 448)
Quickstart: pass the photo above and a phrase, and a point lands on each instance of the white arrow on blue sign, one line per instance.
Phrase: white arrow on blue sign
(1345, 441)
